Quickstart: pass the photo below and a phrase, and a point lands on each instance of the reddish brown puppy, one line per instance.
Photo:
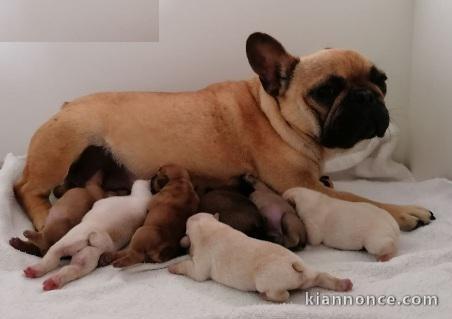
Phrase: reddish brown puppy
(159, 238)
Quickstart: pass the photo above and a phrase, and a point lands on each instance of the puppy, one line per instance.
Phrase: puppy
(282, 225)
(108, 226)
(228, 256)
(345, 225)
(67, 212)
(235, 210)
(158, 240)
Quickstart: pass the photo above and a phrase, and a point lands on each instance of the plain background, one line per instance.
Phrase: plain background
(78, 20)
(203, 41)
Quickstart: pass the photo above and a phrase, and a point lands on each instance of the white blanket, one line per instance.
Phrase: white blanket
(423, 266)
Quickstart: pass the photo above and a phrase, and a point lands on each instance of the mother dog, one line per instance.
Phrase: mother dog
(276, 127)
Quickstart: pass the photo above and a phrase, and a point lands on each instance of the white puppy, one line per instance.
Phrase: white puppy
(228, 256)
(108, 226)
(345, 225)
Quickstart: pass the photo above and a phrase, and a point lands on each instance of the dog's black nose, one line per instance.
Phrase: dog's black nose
(362, 96)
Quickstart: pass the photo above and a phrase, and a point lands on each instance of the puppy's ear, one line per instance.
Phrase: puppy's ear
(158, 181)
(271, 62)
(217, 216)
(185, 242)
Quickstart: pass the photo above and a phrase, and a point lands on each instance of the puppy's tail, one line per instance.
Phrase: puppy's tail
(155, 266)
(298, 266)
(101, 240)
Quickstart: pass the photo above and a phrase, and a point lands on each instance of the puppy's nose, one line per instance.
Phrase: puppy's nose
(362, 96)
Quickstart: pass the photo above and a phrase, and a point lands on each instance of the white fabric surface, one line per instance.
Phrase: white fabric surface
(422, 266)
(369, 159)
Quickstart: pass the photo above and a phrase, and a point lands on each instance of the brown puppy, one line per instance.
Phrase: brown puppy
(235, 210)
(159, 238)
(67, 212)
(277, 126)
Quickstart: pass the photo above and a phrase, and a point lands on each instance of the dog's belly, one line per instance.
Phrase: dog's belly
(144, 131)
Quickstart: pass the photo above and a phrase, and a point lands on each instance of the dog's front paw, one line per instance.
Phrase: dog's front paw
(412, 217)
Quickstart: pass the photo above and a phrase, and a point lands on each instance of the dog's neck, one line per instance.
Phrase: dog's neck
(302, 140)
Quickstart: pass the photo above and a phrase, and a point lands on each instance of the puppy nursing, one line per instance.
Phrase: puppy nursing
(108, 226)
(159, 238)
(67, 212)
(261, 266)
(282, 225)
(345, 225)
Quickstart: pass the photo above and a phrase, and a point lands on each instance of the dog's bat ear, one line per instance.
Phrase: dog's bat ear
(271, 62)
(217, 216)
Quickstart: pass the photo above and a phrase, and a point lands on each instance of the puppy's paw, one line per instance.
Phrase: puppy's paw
(174, 269)
(344, 285)
(123, 262)
(30, 272)
(106, 259)
(385, 257)
(50, 284)
(412, 217)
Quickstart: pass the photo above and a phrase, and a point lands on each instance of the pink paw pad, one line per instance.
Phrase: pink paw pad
(384, 257)
(50, 284)
(30, 272)
(346, 285)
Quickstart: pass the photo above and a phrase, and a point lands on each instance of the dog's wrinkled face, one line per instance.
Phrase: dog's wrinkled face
(339, 91)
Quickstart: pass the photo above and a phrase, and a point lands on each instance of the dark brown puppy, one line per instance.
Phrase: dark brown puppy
(159, 238)
(235, 210)
(67, 212)
(117, 180)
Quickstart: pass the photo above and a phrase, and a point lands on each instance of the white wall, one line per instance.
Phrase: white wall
(430, 150)
(200, 42)
(78, 21)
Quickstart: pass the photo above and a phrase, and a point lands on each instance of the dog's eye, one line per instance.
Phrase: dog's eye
(378, 78)
(327, 92)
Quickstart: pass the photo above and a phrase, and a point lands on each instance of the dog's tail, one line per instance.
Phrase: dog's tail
(101, 240)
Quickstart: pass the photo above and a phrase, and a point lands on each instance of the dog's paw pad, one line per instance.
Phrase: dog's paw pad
(30, 272)
(345, 285)
(50, 284)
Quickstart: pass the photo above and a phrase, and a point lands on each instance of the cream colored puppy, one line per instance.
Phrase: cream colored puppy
(228, 256)
(345, 225)
(108, 226)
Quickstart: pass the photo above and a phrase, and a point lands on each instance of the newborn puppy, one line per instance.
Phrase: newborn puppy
(108, 226)
(223, 254)
(67, 212)
(234, 210)
(345, 225)
(278, 215)
(159, 238)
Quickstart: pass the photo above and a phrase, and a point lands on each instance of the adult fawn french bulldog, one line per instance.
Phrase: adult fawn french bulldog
(276, 126)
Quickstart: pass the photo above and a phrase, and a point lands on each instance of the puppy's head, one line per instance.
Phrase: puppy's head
(166, 174)
(337, 95)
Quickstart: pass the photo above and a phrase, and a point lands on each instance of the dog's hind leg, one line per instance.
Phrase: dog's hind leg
(53, 148)
(82, 263)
